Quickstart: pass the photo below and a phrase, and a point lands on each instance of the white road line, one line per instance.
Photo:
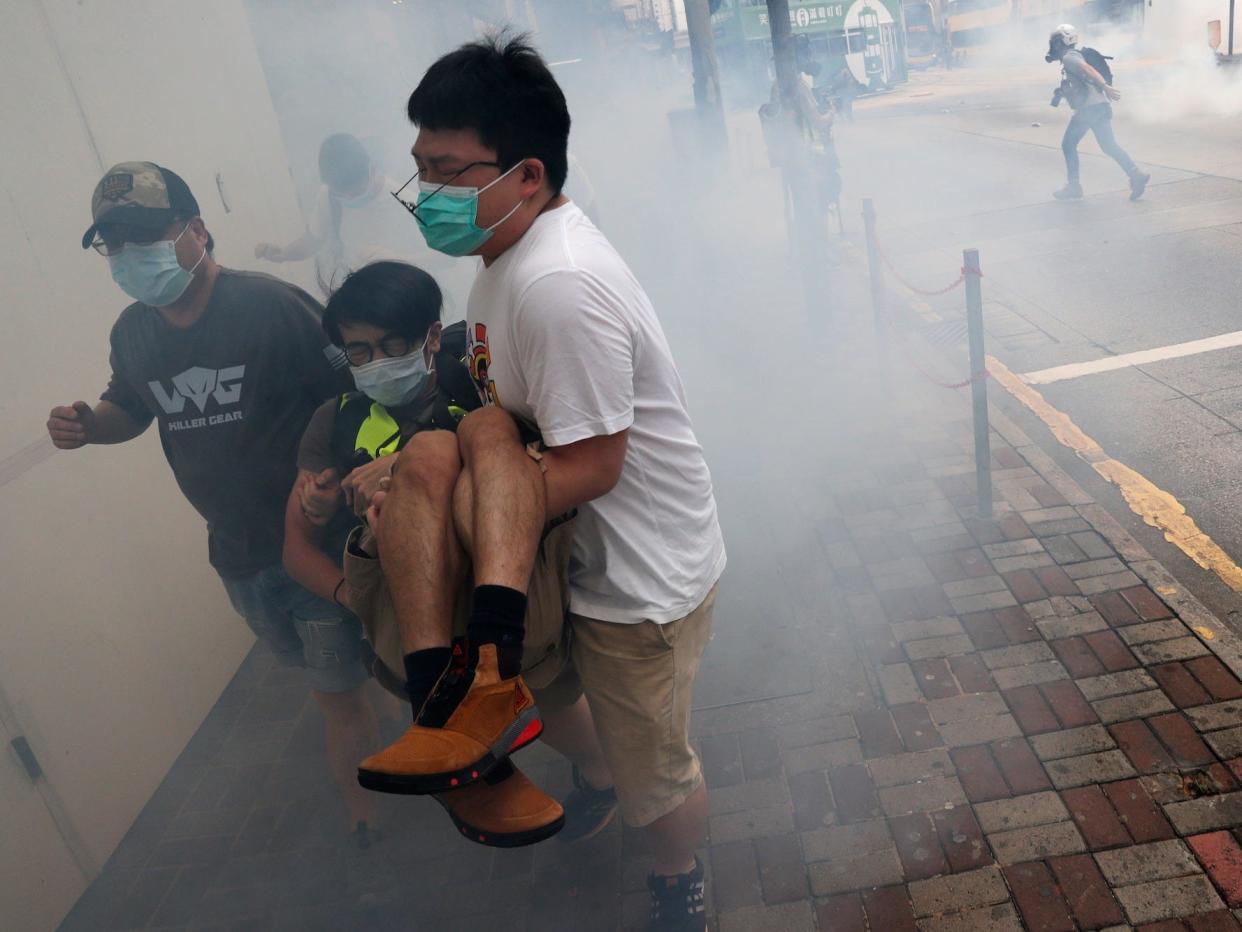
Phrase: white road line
(1109, 363)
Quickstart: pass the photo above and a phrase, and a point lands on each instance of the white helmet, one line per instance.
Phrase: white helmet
(1066, 33)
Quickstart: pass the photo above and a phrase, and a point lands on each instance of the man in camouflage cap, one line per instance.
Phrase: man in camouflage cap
(140, 194)
(231, 364)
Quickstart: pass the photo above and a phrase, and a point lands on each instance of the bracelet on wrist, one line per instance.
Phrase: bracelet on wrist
(336, 594)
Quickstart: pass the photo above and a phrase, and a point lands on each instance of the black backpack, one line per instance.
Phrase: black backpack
(458, 394)
(1099, 62)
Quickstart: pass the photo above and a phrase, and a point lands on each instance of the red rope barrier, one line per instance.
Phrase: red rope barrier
(915, 288)
(965, 271)
(918, 367)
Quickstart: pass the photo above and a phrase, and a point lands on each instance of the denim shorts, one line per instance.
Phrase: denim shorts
(301, 629)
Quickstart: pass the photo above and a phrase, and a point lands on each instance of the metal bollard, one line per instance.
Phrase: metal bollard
(877, 277)
(979, 382)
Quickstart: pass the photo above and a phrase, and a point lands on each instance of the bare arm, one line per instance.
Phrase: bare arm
(78, 424)
(310, 243)
(582, 472)
(1091, 76)
(303, 559)
(305, 246)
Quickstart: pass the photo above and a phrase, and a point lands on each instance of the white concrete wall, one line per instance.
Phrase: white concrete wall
(115, 635)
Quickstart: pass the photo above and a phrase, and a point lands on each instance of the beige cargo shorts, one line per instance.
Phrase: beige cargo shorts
(638, 679)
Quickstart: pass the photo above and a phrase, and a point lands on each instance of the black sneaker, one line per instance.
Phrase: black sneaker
(677, 903)
(1138, 184)
(587, 810)
(1071, 192)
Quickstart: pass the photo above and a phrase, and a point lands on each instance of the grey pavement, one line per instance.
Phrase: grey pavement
(1070, 283)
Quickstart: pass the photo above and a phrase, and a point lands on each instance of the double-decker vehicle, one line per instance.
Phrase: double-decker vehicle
(975, 22)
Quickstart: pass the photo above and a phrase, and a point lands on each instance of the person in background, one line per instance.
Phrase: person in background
(1089, 96)
(563, 342)
(814, 121)
(809, 71)
(817, 154)
(844, 89)
(230, 365)
(356, 222)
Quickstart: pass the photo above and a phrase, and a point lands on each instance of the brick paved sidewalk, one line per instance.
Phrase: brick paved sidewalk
(1054, 749)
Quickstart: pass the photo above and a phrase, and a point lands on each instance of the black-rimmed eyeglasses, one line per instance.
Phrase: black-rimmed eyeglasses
(392, 345)
(412, 206)
(113, 240)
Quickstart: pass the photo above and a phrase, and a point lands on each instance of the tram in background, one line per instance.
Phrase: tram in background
(924, 37)
(967, 23)
(975, 22)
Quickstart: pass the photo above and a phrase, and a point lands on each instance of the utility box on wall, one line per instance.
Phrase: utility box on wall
(116, 637)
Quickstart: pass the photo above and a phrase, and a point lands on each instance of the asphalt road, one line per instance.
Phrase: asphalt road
(956, 160)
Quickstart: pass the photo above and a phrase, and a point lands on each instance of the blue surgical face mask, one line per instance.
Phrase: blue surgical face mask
(151, 273)
(394, 381)
(447, 216)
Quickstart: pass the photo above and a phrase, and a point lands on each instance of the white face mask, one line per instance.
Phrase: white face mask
(394, 381)
(151, 273)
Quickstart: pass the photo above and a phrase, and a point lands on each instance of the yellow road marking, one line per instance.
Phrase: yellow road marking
(1155, 506)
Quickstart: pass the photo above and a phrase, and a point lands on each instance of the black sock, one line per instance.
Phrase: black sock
(498, 616)
(422, 669)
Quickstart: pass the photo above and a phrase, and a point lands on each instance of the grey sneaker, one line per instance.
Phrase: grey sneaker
(1138, 184)
(677, 903)
(587, 810)
(1071, 192)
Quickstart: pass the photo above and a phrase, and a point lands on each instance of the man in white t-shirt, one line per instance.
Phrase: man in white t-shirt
(565, 347)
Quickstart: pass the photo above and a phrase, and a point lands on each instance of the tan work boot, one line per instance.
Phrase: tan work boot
(503, 810)
(472, 721)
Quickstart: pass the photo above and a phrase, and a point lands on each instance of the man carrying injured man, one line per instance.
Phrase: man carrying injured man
(563, 345)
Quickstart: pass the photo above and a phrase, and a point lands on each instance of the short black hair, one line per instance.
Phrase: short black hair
(395, 296)
(186, 218)
(343, 162)
(502, 89)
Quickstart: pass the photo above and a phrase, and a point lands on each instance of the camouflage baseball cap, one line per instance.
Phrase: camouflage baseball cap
(139, 193)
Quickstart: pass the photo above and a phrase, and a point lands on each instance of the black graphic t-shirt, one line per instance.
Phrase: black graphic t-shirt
(232, 395)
